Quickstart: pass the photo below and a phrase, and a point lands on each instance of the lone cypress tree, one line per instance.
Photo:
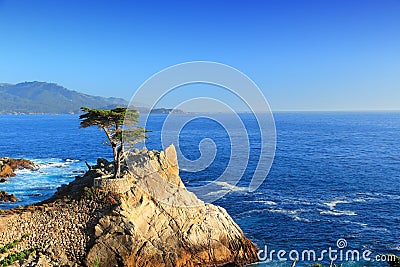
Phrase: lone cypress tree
(120, 126)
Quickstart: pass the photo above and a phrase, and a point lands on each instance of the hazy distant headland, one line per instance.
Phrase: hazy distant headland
(50, 98)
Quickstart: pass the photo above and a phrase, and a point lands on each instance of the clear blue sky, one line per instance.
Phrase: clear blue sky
(305, 55)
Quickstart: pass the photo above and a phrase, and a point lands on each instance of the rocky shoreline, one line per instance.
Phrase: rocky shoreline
(152, 221)
(8, 166)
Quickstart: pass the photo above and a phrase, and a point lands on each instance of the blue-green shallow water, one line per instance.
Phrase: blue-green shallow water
(335, 175)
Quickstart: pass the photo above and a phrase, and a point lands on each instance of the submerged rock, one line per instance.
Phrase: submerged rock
(153, 220)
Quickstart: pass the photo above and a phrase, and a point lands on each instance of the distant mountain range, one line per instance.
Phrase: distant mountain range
(51, 98)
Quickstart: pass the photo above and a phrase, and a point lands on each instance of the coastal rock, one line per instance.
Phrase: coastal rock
(5, 197)
(156, 221)
(6, 171)
(9, 165)
(160, 223)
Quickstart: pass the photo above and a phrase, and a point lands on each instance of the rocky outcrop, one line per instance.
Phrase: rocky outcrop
(9, 165)
(160, 223)
(5, 197)
(156, 221)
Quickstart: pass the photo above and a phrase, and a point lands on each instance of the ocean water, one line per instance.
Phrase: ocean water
(334, 176)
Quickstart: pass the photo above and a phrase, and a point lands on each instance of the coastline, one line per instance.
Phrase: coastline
(87, 222)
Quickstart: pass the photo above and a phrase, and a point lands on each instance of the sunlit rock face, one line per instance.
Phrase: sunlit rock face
(160, 223)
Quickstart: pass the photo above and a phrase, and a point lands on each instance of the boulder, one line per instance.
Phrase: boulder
(6, 171)
(5, 197)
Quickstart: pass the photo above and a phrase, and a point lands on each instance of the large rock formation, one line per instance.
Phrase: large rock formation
(9, 165)
(152, 221)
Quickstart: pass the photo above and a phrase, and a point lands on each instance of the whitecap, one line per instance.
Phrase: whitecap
(376, 229)
(231, 187)
(254, 211)
(338, 212)
(292, 214)
(218, 192)
(72, 160)
(283, 211)
(298, 218)
(356, 223)
(266, 202)
(361, 200)
(332, 204)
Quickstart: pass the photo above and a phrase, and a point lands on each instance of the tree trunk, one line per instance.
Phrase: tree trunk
(116, 161)
(120, 151)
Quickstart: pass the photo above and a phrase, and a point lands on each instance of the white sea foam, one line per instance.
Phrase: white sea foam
(332, 204)
(294, 214)
(356, 223)
(283, 211)
(395, 247)
(298, 218)
(374, 196)
(247, 212)
(266, 202)
(231, 187)
(33, 185)
(338, 212)
(72, 160)
(54, 165)
(218, 192)
(361, 200)
(375, 229)
(297, 202)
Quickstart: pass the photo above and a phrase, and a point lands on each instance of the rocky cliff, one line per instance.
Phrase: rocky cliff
(152, 221)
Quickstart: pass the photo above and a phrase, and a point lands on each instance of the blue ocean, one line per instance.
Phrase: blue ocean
(334, 176)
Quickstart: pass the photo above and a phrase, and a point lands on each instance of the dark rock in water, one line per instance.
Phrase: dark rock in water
(5, 197)
(35, 195)
(9, 165)
(2, 180)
